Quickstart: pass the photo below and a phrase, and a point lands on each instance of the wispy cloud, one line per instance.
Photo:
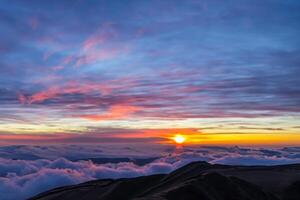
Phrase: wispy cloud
(162, 60)
(115, 112)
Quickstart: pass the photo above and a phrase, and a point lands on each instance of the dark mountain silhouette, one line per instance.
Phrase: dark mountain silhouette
(197, 180)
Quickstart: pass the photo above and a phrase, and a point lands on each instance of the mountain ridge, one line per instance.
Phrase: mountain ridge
(196, 180)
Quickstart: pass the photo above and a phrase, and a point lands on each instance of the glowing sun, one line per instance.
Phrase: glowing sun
(179, 139)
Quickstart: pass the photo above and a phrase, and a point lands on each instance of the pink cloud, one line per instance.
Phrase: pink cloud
(69, 88)
(100, 46)
(115, 112)
(99, 55)
(74, 87)
(66, 60)
(44, 95)
(57, 67)
(93, 41)
(105, 33)
(22, 99)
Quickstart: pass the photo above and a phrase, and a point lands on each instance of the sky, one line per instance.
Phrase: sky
(135, 72)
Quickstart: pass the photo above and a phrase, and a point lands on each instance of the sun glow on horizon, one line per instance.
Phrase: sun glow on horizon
(179, 139)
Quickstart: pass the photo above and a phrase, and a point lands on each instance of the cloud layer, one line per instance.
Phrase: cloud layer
(29, 177)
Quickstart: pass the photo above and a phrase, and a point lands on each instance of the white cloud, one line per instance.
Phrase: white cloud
(30, 177)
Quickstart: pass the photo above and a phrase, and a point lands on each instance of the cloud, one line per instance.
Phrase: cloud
(114, 112)
(29, 177)
(254, 160)
(37, 177)
(57, 67)
(239, 80)
(67, 89)
(101, 135)
(22, 99)
(34, 183)
(100, 55)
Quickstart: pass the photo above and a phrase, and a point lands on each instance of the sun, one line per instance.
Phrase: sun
(179, 139)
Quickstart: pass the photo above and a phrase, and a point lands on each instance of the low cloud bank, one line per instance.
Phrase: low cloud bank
(20, 179)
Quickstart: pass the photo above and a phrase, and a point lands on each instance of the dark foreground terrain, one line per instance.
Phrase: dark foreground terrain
(195, 181)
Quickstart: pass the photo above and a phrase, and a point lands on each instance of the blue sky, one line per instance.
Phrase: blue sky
(199, 67)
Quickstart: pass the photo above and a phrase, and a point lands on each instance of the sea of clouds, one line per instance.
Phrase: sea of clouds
(28, 170)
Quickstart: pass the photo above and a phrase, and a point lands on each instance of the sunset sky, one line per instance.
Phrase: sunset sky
(216, 72)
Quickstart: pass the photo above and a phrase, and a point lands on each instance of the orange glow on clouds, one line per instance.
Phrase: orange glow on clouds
(192, 136)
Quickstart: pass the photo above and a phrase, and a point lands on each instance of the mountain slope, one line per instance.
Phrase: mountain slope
(198, 180)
